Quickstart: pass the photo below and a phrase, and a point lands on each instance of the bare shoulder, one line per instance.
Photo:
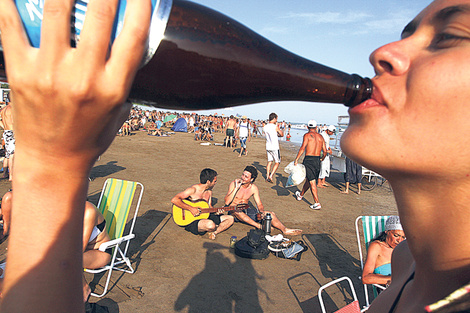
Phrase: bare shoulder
(195, 189)
(307, 136)
(188, 192)
(376, 244)
(254, 188)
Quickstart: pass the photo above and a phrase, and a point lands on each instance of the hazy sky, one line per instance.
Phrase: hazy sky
(337, 33)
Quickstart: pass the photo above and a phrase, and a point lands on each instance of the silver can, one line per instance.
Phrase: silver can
(233, 241)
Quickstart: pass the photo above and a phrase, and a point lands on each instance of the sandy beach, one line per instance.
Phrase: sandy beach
(179, 272)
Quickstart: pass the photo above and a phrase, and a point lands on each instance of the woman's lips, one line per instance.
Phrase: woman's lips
(375, 100)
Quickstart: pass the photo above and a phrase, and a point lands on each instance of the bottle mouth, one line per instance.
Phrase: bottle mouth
(359, 90)
(160, 16)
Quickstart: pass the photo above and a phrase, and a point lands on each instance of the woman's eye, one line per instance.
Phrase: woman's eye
(445, 40)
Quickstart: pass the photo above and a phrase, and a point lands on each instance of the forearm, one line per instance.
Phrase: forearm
(231, 195)
(180, 204)
(301, 151)
(53, 256)
(372, 278)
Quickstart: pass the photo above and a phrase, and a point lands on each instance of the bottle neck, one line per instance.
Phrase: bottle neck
(359, 90)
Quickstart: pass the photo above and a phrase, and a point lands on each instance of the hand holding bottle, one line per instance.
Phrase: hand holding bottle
(75, 96)
(238, 183)
(67, 108)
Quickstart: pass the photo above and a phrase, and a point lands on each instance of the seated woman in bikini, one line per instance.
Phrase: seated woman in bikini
(378, 269)
(94, 234)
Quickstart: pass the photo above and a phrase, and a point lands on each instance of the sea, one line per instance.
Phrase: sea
(297, 136)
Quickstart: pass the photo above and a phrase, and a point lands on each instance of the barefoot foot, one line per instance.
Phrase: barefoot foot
(292, 232)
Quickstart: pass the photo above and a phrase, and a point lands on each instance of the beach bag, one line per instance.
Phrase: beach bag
(296, 173)
(95, 308)
(253, 246)
(288, 249)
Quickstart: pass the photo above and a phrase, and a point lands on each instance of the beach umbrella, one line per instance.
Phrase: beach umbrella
(169, 118)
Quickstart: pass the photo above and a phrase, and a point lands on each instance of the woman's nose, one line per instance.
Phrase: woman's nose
(391, 58)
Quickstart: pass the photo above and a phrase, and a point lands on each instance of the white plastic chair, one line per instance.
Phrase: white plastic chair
(352, 307)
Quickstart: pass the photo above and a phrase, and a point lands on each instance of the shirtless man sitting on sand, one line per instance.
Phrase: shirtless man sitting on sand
(216, 223)
(241, 190)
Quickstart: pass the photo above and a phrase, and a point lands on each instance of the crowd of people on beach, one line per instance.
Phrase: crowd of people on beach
(203, 126)
(239, 130)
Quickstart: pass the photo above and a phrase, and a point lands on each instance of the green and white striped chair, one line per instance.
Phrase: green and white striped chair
(115, 203)
(371, 227)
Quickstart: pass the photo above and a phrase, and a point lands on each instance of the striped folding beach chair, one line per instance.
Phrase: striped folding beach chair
(115, 203)
(371, 227)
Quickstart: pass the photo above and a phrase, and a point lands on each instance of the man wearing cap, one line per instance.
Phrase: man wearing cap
(313, 144)
(325, 164)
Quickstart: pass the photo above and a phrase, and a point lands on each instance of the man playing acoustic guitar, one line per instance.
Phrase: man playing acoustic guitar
(215, 223)
(241, 190)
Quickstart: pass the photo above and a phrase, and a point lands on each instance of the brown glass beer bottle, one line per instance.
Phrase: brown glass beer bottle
(207, 60)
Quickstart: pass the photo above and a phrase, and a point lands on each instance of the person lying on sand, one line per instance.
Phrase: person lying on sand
(241, 190)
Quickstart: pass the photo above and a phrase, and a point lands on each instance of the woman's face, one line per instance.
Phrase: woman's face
(418, 119)
(394, 237)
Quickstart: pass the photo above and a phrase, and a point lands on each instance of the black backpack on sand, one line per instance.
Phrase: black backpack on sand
(253, 246)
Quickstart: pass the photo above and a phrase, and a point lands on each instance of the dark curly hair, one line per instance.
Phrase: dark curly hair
(207, 174)
(253, 171)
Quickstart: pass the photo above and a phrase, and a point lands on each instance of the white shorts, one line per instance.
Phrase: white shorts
(9, 143)
(274, 155)
(325, 168)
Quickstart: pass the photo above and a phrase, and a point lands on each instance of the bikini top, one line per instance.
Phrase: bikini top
(384, 269)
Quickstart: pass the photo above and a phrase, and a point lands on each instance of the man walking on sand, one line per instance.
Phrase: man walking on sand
(230, 131)
(272, 132)
(353, 175)
(313, 144)
(216, 223)
(6, 122)
(241, 190)
(244, 134)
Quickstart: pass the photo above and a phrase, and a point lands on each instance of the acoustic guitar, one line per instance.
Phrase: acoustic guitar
(183, 217)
